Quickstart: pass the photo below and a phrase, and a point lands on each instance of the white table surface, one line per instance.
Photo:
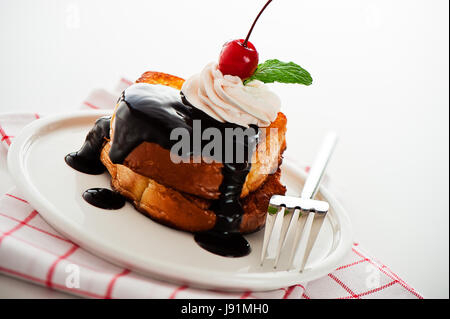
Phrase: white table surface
(381, 81)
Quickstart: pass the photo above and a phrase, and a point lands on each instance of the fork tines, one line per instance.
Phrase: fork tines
(303, 213)
(294, 210)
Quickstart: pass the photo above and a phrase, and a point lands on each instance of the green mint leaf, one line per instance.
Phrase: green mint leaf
(284, 72)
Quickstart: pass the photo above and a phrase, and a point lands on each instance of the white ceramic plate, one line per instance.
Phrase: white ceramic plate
(128, 238)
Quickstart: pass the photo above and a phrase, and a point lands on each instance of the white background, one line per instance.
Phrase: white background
(380, 70)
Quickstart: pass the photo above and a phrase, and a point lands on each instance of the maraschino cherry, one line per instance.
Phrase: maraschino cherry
(239, 57)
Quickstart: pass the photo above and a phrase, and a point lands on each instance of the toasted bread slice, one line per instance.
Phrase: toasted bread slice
(181, 210)
(151, 77)
(180, 194)
(203, 179)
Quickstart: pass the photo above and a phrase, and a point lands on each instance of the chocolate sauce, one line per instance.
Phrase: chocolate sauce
(223, 244)
(104, 198)
(87, 159)
(149, 113)
(225, 239)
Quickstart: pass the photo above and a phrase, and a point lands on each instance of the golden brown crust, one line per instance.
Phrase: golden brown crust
(256, 203)
(268, 154)
(152, 160)
(203, 179)
(181, 210)
(152, 77)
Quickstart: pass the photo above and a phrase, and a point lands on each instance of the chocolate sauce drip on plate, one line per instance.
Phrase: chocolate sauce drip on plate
(223, 244)
(104, 198)
(87, 159)
(150, 113)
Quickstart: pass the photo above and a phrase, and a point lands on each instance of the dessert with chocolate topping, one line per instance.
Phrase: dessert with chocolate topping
(217, 187)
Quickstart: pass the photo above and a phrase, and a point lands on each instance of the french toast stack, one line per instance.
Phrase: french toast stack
(180, 195)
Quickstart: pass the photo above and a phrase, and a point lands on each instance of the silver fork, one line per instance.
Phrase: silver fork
(304, 213)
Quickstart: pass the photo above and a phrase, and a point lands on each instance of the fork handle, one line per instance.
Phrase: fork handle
(317, 170)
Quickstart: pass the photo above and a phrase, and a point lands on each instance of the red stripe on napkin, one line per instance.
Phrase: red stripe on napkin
(56, 286)
(18, 226)
(18, 198)
(49, 282)
(36, 228)
(5, 137)
(92, 106)
(176, 291)
(343, 285)
(113, 281)
(126, 81)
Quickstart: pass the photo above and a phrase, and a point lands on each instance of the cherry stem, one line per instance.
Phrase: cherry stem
(254, 22)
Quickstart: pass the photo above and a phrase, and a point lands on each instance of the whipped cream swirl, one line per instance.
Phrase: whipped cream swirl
(227, 99)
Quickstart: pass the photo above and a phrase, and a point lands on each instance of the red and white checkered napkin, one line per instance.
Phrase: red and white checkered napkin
(31, 250)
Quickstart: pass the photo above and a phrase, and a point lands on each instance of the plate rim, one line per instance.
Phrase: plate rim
(236, 282)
